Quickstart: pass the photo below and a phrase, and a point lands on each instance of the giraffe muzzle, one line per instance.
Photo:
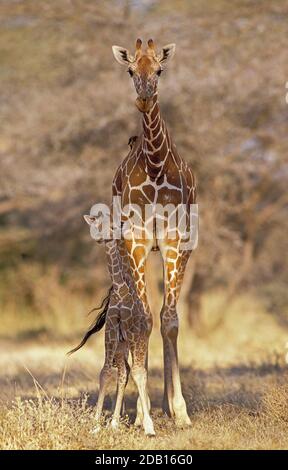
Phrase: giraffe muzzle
(144, 104)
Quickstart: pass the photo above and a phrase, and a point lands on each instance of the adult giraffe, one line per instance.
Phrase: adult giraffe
(153, 173)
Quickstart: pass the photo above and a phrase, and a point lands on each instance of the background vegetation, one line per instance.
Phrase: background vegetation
(67, 111)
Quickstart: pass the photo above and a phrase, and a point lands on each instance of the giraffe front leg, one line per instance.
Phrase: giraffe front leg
(138, 251)
(173, 398)
(174, 267)
(139, 416)
(139, 373)
(167, 405)
(140, 378)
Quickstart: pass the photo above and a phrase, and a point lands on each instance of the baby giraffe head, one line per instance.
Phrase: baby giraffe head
(145, 68)
(99, 226)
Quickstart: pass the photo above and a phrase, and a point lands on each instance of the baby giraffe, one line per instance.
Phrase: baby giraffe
(127, 329)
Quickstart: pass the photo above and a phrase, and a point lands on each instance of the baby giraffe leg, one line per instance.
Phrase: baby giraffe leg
(105, 376)
(139, 416)
(123, 375)
(111, 343)
(139, 374)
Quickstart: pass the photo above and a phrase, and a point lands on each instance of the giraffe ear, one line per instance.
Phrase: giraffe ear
(90, 219)
(122, 55)
(167, 53)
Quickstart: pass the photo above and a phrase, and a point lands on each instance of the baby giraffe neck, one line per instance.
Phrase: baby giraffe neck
(114, 263)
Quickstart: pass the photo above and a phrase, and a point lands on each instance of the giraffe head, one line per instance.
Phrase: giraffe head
(145, 68)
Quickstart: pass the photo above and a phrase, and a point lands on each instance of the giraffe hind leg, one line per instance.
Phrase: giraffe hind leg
(122, 379)
(111, 345)
(105, 376)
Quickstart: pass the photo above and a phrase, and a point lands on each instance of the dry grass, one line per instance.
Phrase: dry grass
(226, 406)
(67, 425)
(234, 381)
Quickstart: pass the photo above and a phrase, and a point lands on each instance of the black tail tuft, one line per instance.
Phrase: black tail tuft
(97, 324)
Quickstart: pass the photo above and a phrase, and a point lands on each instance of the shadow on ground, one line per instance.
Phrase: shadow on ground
(240, 385)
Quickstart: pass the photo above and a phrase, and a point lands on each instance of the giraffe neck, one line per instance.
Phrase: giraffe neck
(121, 277)
(156, 141)
(114, 264)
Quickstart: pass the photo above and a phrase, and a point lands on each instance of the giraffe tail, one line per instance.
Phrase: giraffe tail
(98, 322)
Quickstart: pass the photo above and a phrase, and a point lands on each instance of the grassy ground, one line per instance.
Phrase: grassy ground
(240, 404)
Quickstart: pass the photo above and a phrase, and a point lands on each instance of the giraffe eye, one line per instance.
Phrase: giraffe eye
(131, 73)
(159, 72)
